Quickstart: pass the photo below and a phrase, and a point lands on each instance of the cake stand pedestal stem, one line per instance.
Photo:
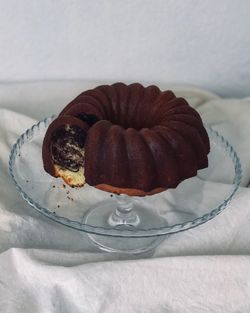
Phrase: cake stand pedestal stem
(124, 215)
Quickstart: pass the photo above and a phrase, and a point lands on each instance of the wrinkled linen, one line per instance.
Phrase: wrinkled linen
(46, 267)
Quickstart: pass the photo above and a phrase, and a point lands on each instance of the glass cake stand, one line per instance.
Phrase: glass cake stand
(119, 223)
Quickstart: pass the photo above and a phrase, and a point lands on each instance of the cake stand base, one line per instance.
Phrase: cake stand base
(128, 216)
(134, 246)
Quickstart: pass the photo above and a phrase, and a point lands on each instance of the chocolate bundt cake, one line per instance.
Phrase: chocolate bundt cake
(126, 139)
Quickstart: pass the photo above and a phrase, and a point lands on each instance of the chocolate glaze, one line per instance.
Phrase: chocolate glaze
(137, 138)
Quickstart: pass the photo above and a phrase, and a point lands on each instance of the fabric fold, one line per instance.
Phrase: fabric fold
(47, 267)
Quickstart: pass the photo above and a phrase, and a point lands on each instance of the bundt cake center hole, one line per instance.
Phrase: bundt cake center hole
(91, 119)
(68, 147)
(88, 118)
(132, 124)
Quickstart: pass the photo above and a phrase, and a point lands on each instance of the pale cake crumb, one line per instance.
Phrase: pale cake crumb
(74, 179)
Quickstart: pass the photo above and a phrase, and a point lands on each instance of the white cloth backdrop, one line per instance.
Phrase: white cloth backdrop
(46, 267)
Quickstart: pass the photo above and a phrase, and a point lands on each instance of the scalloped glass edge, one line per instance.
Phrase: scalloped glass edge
(150, 232)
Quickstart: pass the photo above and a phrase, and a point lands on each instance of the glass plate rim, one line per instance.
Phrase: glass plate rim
(149, 232)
